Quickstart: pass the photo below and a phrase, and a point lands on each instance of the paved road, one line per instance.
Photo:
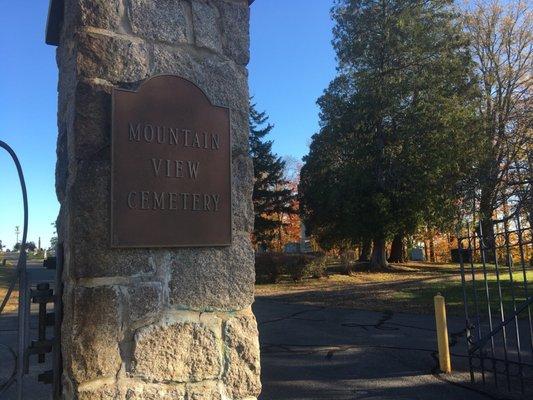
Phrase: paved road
(312, 353)
(36, 272)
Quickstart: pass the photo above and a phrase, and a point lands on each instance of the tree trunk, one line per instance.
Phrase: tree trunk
(397, 252)
(529, 193)
(366, 247)
(432, 249)
(486, 229)
(280, 232)
(426, 251)
(379, 255)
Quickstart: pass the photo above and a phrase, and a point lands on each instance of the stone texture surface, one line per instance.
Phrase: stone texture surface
(161, 20)
(104, 393)
(94, 118)
(89, 218)
(93, 350)
(213, 279)
(177, 352)
(242, 357)
(144, 300)
(111, 58)
(206, 25)
(208, 390)
(235, 28)
(204, 391)
(157, 392)
(243, 211)
(212, 74)
(105, 14)
(151, 323)
(240, 130)
(100, 14)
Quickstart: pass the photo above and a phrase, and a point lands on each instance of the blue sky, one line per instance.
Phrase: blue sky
(291, 64)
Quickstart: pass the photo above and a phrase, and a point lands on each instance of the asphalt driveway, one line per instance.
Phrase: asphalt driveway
(317, 352)
(310, 352)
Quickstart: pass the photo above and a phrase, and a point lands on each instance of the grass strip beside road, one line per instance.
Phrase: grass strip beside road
(7, 274)
(407, 288)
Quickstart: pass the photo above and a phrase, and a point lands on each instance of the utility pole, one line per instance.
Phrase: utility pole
(17, 232)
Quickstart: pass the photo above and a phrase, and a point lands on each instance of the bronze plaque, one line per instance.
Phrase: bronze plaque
(171, 167)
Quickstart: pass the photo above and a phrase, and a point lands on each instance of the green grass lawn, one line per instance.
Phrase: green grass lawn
(407, 288)
(452, 290)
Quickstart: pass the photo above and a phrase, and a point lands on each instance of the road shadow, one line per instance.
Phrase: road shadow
(324, 352)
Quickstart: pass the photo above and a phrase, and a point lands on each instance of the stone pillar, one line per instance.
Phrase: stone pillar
(151, 323)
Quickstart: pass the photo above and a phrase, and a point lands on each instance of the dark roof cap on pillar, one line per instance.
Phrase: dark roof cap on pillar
(55, 20)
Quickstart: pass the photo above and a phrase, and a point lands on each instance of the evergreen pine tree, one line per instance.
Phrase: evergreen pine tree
(392, 143)
(271, 197)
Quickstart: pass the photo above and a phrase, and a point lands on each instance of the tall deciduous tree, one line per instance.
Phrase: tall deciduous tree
(292, 231)
(30, 246)
(391, 144)
(272, 197)
(501, 38)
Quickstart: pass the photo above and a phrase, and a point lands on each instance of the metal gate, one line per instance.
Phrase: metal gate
(496, 270)
(41, 293)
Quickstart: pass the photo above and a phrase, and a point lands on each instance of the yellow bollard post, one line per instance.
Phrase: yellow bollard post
(442, 334)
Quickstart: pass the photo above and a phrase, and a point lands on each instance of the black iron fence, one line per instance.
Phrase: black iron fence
(496, 274)
(41, 294)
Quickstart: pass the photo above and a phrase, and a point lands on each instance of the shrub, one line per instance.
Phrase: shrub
(316, 268)
(348, 261)
(296, 266)
(268, 268)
